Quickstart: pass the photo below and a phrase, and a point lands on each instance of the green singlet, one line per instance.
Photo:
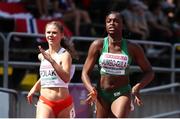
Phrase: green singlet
(114, 64)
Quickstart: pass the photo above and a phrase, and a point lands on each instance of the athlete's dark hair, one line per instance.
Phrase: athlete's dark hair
(114, 12)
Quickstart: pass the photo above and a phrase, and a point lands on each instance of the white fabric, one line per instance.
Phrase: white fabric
(49, 77)
(17, 15)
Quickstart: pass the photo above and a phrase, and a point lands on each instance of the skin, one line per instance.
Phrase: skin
(62, 68)
(121, 106)
(75, 14)
(42, 7)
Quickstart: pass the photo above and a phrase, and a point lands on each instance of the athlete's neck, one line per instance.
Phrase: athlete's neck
(54, 49)
(114, 40)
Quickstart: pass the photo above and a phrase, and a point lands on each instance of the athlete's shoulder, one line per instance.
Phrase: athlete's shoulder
(63, 52)
(40, 56)
(66, 53)
(134, 47)
(132, 44)
(98, 42)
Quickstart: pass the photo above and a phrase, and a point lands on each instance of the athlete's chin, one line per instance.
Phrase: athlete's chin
(50, 42)
(111, 32)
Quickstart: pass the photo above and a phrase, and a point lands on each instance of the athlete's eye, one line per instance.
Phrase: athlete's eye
(108, 20)
(49, 32)
(54, 32)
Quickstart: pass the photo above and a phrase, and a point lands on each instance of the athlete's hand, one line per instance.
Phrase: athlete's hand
(46, 55)
(92, 96)
(30, 97)
(137, 98)
(136, 94)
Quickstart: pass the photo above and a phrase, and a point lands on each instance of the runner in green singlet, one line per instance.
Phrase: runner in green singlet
(112, 96)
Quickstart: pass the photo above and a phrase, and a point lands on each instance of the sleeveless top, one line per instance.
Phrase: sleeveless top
(114, 64)
(48, 75)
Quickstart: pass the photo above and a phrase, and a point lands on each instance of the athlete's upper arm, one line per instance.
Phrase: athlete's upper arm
(92, 56)
(66, 62)
(40, 56)
(139, 57)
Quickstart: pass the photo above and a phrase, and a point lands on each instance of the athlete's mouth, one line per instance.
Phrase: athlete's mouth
(111, 29)
(50, 38)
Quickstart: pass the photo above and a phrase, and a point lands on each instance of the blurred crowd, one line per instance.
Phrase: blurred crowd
(155, 20)
(152, 20)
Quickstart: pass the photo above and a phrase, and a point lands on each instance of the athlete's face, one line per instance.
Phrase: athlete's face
(53, 34)
(113, 23)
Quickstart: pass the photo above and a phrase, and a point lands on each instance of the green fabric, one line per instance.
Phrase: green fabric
(123, 45)
(112, 95)
(105, 45)
(124, 51)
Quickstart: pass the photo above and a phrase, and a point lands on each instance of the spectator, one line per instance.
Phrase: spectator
(137, 24)
(42, 7)
(68, 10)
(135, 21)
(176, 28)
(159, 24)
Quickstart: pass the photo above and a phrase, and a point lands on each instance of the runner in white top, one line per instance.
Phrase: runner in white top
(55, 74)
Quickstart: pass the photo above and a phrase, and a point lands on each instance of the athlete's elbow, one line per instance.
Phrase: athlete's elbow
(67, 79)
(151, 74)
(82, 77)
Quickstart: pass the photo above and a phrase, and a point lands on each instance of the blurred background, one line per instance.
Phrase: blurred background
(154, 24)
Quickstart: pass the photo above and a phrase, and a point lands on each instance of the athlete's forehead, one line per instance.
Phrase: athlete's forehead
(51, 26)
(113, 16)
